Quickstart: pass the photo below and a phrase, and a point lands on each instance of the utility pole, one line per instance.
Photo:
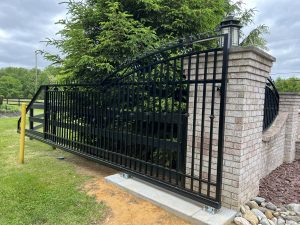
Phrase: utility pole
(36, 70)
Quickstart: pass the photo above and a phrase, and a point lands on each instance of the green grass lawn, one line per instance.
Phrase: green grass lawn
(44, 190)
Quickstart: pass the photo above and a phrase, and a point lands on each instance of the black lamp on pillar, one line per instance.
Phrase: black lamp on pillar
(231, 26)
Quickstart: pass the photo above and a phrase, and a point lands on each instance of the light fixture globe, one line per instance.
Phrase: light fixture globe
(231, 26)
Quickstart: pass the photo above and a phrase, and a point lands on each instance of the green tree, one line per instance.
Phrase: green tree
(100, 35)
(288, 85)
(27, 77)
(10, 87)
(50, 74)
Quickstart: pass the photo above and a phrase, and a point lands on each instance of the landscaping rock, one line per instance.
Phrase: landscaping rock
(274, 220)
(243, 209)
(284, 214)
(294, 218)
(280, 221)
(269, 214)
(264, 221)
(271, 206)
(262, 209)
(241, 221)
(294, 207)
(252, 205)
(259, 200)
(251, 217)
(263, 204)
(291, 222)
(254, 213)
(259, 214)
(282, 209)
(239, 214)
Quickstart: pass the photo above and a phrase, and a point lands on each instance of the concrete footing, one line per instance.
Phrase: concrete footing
(182, 207)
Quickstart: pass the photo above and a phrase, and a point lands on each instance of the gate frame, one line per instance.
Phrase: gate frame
(198, 197)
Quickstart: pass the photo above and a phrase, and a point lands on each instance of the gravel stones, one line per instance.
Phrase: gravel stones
(271, 222)
(280, 221)
(278, 200)
(259, 200)
(294, 218)
(243, 209)
(294, 207)
(271, 206)
(267, 213)
(241, 221)
(251, 217)
(274, 220)
(263, 204)
(264, 221)
(262, 209)
(290, 222)
(259, 214)
(252, 205)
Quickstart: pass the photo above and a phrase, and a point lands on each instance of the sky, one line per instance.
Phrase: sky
(25, 24)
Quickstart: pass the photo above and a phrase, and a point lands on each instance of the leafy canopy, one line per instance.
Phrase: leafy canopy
(288, 85)
(20, 82)
(100, 35)
(10, 87)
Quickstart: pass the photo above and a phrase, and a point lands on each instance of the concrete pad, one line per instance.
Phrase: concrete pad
(182, 207)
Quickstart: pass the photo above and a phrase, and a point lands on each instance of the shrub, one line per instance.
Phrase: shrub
(8, 108)
(288, 85)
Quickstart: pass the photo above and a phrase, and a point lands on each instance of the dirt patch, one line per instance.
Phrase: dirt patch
(282, 186)
(125, 208)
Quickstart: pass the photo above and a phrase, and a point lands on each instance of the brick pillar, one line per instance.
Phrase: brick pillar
(290, 102)
(248, 71)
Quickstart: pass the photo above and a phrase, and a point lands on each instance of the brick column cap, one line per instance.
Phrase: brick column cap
(254, 50)
(290, 93)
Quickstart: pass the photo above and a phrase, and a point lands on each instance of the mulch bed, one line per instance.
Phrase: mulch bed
(282, 186)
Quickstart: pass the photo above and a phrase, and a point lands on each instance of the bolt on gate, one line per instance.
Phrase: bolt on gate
(159, 118)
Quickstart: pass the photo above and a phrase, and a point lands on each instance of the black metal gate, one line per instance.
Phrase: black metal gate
(271, 104)
(160, 118)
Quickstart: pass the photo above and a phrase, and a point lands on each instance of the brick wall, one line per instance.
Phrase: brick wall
(290, 102)
(272, 154)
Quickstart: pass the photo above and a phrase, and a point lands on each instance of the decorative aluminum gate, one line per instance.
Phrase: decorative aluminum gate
(159, 118)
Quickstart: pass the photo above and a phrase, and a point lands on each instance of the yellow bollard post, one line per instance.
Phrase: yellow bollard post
(22, 136)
